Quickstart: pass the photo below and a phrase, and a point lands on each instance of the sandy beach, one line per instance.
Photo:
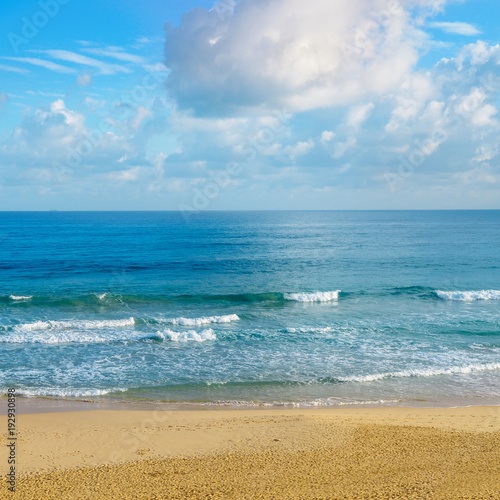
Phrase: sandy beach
(450, 453)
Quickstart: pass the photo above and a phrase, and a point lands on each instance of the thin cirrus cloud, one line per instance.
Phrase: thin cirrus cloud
(456, 28)
(74, 57)
(13, 69)
(58, 68)
(116, 53)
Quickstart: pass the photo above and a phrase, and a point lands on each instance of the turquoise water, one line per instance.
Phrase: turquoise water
(255, 307)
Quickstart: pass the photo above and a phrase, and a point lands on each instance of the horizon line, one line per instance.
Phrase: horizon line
(198, 212)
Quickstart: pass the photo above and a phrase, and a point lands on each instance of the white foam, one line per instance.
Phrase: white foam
(469, 296)
(206, 320)
(326, 329)
(101, 296)
(429, 372)
(77, 325)
(69, 337)
(20, 297)
(299, 404)
(189, 336)
(69, 393)
(312, 297)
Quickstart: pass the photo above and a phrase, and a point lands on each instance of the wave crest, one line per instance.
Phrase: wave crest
(469, 296)
(70, 325)
(205, 320)
(68, 393)
(429, 372)
(189, 336)
(312, 297)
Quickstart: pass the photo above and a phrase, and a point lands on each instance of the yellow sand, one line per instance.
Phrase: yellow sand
(322, 453)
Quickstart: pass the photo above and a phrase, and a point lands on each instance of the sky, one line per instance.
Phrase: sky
(249, 104)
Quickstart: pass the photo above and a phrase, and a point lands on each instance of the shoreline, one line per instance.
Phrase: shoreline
(55, 404)
(213, 450)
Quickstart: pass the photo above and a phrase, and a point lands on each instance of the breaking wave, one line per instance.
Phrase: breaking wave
(430, 372)
(72, 325)
(189, 336)
(469, 296)
(68, 392)
(312, 297)
(206, 320)
(20, 297)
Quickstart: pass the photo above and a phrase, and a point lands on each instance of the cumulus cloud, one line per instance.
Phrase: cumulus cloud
(441, 122)
(42, 138)
(290, 53)
(292, 151)
(354, 111)
(477, 54)
(56, 145)
(327, 135)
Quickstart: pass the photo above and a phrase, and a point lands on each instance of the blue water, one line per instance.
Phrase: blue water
(254, 307)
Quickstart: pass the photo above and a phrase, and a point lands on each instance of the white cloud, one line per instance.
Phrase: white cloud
(74, 57)
(41, 139)
(94, 104)
(299, 149)
(148, 40)
(358, 114)
(327, 135)
(403, 112)
(470, 103)
(456, 28)
(155, 68)
(356, 94)
(144, 40)
(342, 147)
(483, 117)
(485, 153)
(477, 176)
(44, 94)
(186, 122)
(55, 145)
(84, 80)
(290, 53)
(130, 175)
(478, 54)
(58, 68)
(13, 69)
(117, 53)
(4, 98)
(292, 151)
(443, 119)
(141, 114)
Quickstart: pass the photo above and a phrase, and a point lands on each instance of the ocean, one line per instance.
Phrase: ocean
(252, 308)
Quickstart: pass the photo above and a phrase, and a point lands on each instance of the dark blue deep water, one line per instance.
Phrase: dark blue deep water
(261, 307)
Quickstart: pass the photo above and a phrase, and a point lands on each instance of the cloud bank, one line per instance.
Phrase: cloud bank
(320, 105)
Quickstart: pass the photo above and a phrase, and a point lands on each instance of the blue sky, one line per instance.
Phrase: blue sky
(249, 104)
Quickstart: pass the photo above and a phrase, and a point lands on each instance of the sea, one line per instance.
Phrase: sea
(252, 308)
